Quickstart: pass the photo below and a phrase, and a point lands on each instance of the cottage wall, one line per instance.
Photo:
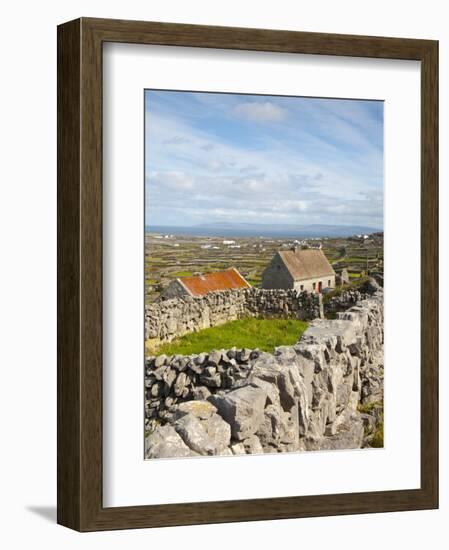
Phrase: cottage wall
(276, 275)
(173, 290)
(307, 284)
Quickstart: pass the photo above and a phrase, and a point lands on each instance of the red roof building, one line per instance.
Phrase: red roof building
(199, 285)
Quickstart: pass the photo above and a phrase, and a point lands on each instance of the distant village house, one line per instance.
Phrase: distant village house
(302, 270)
(200, 285)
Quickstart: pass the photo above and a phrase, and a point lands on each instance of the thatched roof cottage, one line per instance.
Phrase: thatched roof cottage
(299, 269)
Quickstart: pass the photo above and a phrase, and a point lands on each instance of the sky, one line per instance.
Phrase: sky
(212, 157)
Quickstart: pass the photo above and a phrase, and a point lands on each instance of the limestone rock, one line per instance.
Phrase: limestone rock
(200, 393)
(215, 357)
(348, 436)
(200, 409)
(160, 360)
(243, 409)
(252, 445)
(164, 442)
(169, 377)
(269, 431)
(180, 384)
(212, 381)
(271, 390)
(238, 449)
(219, 431)
(266, 368)
(194, 435)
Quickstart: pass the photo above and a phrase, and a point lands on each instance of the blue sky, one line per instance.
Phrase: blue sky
(262, 159)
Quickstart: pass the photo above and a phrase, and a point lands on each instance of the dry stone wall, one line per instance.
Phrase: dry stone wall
(343, 302)
(349, 297)
(301, 397)
(169, 319)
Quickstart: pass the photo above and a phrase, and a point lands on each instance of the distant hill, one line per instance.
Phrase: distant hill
(224, 229)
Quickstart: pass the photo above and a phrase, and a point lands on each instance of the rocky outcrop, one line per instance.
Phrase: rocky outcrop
(243, 409)
(170, 319)
(325, 392)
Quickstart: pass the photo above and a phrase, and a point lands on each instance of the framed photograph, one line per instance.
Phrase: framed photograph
(247, 274)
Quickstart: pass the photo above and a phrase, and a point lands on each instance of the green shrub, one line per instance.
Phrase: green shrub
(368, 407)
(378, 437)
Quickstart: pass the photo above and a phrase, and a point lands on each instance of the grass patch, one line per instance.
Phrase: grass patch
(253, 282)
(378, 438)
(252, 333)
(181, 274)
(368, 407)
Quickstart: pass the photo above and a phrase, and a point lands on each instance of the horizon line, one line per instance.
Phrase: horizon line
(268, 225)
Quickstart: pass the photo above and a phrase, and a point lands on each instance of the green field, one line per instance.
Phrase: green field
(182, 274)
(264, 334)
(186, 255)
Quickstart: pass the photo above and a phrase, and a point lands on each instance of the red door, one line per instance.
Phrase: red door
(320, 284)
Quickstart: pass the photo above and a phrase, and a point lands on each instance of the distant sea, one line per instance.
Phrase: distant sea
(199, 231)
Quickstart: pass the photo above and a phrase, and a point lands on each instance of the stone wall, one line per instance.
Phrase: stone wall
(349, 297)
(302, 397)
(169, 319)
(343, 301)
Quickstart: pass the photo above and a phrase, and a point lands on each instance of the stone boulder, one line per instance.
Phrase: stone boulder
(200, 409)
(194, 435)
(201, 429)
(269, 431)
(242, 409)
(164, 442)
(349, 435)
(252, 445)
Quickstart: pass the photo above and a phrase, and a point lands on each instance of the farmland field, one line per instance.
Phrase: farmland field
(170, 256)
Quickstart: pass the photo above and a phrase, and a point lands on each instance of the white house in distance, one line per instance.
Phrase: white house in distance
(300, 270)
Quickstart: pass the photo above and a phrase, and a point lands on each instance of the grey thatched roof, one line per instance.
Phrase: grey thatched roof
(306, 264)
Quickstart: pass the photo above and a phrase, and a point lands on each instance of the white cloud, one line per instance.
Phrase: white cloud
(176, 140)
(208, 146)
(260, 112)
(178, 181)
(216, 165)
(282, 175)
(338, 208)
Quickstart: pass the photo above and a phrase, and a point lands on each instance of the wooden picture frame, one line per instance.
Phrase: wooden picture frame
(80, 504)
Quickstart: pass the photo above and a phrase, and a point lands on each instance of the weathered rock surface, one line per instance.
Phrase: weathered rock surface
(302, 397)
(200, 409)
(165, 442)
(201, 429)
(189, 427)
(243, 409)
(348, 436)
